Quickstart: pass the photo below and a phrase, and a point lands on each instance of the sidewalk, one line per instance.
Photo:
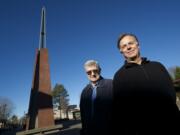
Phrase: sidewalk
(71, 127)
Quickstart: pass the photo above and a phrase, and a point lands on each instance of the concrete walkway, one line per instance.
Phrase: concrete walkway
(70, 127)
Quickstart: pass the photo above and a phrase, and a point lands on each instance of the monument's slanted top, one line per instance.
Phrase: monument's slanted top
(42, 40)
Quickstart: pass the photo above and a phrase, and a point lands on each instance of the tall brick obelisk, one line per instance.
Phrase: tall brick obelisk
(40, 113)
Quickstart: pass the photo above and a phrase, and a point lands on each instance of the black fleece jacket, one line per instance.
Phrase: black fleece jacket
(142, 94)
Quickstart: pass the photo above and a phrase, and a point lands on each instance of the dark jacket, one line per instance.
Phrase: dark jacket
(144, 98)
(100, 122)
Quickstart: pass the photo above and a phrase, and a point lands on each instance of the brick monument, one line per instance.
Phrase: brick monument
(40, 113)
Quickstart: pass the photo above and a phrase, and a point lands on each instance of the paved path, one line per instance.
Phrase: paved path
(71, 127)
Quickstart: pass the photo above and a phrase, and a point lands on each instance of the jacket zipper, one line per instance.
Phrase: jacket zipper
(145, 73)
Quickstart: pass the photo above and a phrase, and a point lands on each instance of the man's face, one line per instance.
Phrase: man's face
(129, 47)
(93, 73)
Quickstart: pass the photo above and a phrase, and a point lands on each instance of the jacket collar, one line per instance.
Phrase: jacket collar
(99, 83)
(129, 65)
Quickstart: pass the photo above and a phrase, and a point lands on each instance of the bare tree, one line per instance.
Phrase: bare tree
(6, 108)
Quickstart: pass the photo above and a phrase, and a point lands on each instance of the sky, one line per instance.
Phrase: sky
(79, 30)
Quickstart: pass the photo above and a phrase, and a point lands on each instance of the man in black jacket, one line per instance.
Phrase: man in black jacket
(95, 102)
(144, 96)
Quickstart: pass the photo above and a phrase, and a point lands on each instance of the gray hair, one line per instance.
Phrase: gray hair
(89, 63)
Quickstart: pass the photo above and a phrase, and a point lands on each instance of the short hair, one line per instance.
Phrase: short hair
(124, 35)
(89, 63)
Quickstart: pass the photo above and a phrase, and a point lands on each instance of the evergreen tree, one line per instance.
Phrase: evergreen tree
(175, 75)
(14, 120)
(60, 98)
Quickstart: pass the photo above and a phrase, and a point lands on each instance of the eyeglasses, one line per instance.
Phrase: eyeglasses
(95, 71)
(123, 46)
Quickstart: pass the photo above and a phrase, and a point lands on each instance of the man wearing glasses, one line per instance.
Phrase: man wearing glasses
(96, 102)
(143, 92)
